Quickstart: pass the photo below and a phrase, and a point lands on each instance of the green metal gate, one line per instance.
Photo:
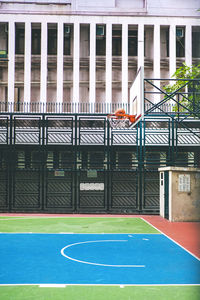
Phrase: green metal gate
(26, 181)
(4, 180)
(75, 163)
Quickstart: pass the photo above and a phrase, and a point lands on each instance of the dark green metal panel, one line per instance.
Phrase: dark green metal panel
(4, 180)
(92, 190)
(124, 191)
(59, 179)
(26, 181)
(58, 189)
(166, 194)
(150, 189)
(77, 163)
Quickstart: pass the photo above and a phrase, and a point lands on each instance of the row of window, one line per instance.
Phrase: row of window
(100, 40)
(93, 159)
(67, 42)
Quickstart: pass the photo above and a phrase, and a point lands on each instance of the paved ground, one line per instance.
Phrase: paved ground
(186, 234)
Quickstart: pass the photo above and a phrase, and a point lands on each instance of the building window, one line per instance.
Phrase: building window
(36, 41)
(132, 43)
(96, 160)
(167, 42)
(19, 39)
(196, 42)
(20, 160)
(67, 39)
(180, 42)
(117, 42)
(125, 160)
(66, 160)
(100, 40)
(52, 40)
(17, 99)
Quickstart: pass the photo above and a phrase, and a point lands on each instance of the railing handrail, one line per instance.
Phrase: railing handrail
(59, 107)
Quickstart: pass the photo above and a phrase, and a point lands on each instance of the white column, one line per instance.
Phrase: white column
(76, 63)
(172, 50)
(60, 29)
(124, 63)
(11, 62)
(108, 63)
(27, 64)
(156, 60)
(92, 70)
(140, 45)
(43, 68)
(188, 45)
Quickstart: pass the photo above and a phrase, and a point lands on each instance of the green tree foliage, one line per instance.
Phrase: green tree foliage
(186, 90)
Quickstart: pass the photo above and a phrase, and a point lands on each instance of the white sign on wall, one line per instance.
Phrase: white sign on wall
(184, 183)
(86, 186)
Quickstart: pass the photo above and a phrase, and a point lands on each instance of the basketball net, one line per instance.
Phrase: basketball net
(121, 120)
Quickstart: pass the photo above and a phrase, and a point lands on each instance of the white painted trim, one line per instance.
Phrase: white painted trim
(76, 62)
(170, 196)
(146, 20)
(60, 29)
(124, 78)
(172, 50)
(11, 62)
(27, 64)
(108, 63)
(43, 68)
(140, 45)
(188, 45)
(156, 60)
(92, 65)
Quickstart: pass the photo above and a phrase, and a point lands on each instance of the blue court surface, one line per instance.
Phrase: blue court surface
(95, 259)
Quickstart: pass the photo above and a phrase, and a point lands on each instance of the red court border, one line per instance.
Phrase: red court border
(186, 234)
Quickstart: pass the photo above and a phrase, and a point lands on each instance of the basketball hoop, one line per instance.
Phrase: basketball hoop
(121, 120)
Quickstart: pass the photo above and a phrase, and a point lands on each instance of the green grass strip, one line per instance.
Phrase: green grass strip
(75, 225)
(101, 292)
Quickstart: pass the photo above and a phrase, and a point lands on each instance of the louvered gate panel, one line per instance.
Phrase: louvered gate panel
(59, 180)
(92, 191)
(27, 181)
(4, 183)
(59, 190)
(26, 192)
(151, 189)
(124, 190)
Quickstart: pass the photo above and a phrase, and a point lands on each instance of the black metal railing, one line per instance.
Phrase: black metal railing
(59, 107)
(183, 100)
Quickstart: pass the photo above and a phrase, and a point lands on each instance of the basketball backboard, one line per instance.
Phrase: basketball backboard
(137, 95)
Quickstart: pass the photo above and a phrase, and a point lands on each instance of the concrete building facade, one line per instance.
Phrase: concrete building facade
(58, 51)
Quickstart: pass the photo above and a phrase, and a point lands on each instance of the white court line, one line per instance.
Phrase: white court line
(32, 218)
(67, 217)
(98, 264)
(52, 285)
(93, 284)
(172, 240)
(81, 233)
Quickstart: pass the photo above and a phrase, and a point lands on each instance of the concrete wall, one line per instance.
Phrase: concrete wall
(184, 200)
(109, 7)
